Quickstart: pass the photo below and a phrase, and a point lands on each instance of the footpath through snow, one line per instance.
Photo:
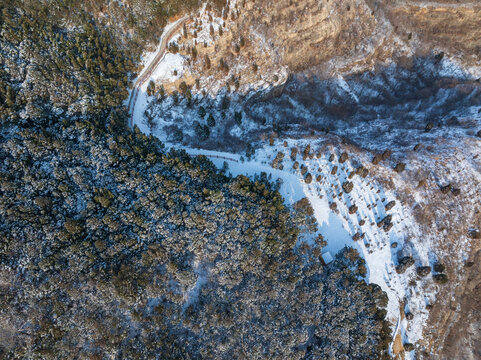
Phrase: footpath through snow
(339, 224)
(341, 216)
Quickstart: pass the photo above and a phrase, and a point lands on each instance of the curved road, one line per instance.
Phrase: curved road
(145, 75)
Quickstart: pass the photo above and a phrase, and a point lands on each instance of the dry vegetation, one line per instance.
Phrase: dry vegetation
(331, 36)
(450, 26)
(447, 219)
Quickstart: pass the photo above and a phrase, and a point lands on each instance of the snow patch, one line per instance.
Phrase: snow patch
(338, 226)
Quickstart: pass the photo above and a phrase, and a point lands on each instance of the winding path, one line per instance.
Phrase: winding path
(147, 72)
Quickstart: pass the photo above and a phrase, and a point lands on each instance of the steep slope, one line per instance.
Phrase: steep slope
(255, 42)
(409, 88)
(157, 253)
(448, 26)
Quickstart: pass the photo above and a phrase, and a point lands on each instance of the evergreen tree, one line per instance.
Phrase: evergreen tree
(211, 120)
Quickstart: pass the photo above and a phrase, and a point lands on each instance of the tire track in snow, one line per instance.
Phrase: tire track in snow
(147, 72)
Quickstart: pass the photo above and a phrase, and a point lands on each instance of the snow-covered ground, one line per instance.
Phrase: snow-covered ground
(338, 223)
(164, 72)
(171, 69)
(166, 113)
(338, 226)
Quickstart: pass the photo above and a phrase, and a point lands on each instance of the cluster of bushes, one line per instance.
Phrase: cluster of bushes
(277, 162)
(449, 188)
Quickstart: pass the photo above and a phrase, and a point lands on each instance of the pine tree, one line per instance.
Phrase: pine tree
(211, 120)
(238, 118)
(207, 62)
(151, 88)
(201, 112)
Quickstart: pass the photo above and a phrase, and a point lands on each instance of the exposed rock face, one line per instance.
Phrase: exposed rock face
(328, 38)
(453, 27)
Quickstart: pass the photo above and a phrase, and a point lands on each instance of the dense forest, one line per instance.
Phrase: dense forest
(112, 246)
(74, 58)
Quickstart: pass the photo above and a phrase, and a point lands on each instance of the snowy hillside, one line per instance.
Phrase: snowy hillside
(352, 221)
(384, 147)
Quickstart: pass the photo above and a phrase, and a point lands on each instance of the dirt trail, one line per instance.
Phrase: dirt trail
(166, 37)
(221, 157)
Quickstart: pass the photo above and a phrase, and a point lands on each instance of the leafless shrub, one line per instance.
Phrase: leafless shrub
(347, 187)
(400, 167)
(390, 205)
(376, 159)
